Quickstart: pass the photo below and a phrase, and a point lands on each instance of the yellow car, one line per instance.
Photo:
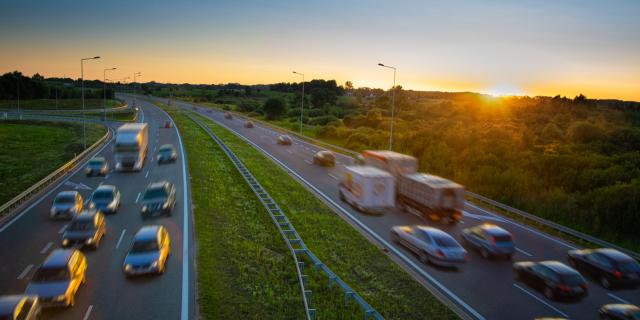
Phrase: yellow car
(58, 279)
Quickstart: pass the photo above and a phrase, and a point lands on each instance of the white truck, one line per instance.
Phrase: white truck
(368, 189)
(428, 196)
(132, 140)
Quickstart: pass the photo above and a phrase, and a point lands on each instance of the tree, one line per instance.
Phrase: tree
(348, 85)
(274, 108)
(323, 96)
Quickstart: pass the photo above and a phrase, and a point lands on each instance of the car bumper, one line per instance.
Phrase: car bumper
(49, 302)
(138, 271)
(450, 263)
(626, 282)
(63, 215)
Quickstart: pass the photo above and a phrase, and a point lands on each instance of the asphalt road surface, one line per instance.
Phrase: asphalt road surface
(483, 289)
(30, 236)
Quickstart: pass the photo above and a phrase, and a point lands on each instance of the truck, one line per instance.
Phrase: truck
(428, 196)
(368, 189)
(131, 144)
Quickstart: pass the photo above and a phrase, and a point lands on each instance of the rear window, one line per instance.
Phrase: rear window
(144, 246)
(445, 242)
(95, 162)
(81, 226)
(65, 199)
(51, 274)
(155, 193)
(572, 279)
(629, 266)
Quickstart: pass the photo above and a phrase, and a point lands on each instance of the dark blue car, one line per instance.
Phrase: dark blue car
(490, 240)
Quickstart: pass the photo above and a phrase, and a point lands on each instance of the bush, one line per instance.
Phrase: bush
(274, 108)
(322, 120)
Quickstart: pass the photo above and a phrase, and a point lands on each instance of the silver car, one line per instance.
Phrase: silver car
(106, 198)
(66, 205)
(430, 244)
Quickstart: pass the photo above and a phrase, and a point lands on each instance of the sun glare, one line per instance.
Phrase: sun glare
(504, 90)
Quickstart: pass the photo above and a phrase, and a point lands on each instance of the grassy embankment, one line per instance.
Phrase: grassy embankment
(31, 150)
(369, 271)
(63, 104)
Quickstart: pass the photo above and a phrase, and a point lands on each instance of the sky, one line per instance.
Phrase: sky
(519, 47)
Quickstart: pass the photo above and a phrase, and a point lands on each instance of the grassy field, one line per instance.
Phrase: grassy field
(63, 104)
(32, 150)
(368, 270)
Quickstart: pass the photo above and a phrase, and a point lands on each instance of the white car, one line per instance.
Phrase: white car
(431, 245)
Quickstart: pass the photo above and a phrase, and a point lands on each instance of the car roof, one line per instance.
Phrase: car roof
(98, 159)
(622, 308)
(85, 215)
(614, 254)
(494, 230)
(69, 193)
(158, 185)
(147, 233)
(558, 267)
(434, 231)
(166, 146)
(58, 258)
(8, 303)
(106, 187)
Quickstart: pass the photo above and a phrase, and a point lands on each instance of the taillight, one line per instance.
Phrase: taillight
(493, 240)
(583, 286)
(617, 274)
(564, 287)
(439, 253)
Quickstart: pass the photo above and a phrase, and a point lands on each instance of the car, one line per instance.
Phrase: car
(168, 124)
(19, 307)
(490, 240)
(158, 198)
(66, 205)
(167, 153)
(619, 312)
(105, 198)
(284, 140)
(430, 244)
(609, 267)
(97, 166)
(227, 115)
(86, 229)
(58, 279)
(324, 158)
(358, 160)
(149, 251)
(555, 279)
(249, 124)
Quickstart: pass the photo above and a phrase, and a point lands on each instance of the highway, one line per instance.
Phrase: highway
(482, 289)
(27, 238)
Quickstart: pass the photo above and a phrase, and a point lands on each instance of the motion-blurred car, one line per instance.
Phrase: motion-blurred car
(86, 229)
(58, 279)
(97, 166)
(555, 279)
(227, 115)
(358, 160)
(284, 140)
(249, 124)
(168, 124)
(149, 252)
(324, 158)
(19, 307)
(167, 153)
(490, 240)
(106, 198)
(609, 266)
(66, 205)
(430, 244)
(619, 312)
(158, 198)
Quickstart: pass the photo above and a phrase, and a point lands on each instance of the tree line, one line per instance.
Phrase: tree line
(38, 87)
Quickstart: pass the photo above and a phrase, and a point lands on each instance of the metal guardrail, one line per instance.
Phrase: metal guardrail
(45, 117)
(290, 235)
(67, 167)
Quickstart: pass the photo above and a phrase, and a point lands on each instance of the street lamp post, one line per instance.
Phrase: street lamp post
(18, 86)
(104, 90)
(135, 74)
(393, 103)
(84, 130)
(302, 102)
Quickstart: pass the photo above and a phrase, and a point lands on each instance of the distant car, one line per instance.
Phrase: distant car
(619, 312)
(19, 307)
(158, 198)
(248, 124)
(97, 166)
(609, 266)
(324, 158)
(194, 108)
(149, 252)
(284, 140)
(555, 279)
(106, 198)
(490, 240)
(227, 115)
(58, 279)
(86, 229)
(168, 124)
(66, 205)
(167, 153)
(430, 244)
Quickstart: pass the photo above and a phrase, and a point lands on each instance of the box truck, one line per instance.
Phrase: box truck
(131, 146)
(368, 189)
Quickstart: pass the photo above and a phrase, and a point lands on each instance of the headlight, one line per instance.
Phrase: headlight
(87, 170)
(111, 205)
(127, 267)
(165, 205)
(89, 241)
(53, 210)
(65, 242)
(154, 264)
(144, 208)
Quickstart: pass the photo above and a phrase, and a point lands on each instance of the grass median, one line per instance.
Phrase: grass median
(387, 287)
(33, 149)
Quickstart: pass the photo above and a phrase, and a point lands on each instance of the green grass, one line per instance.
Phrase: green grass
(32, 150)
(386, 286)
(63, 104)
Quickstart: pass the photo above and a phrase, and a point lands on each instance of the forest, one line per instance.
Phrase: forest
(15, 83)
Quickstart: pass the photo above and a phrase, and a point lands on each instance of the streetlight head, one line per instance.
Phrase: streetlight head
(380, 64)
(96, 57)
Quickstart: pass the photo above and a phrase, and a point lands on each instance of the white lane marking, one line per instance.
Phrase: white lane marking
(138, 197)
(121, 237)
(88, 313)
(308, 161)
(146, 175)
(360, 224)
(618, 298)
(46, 247)
(106, 177)
(524, 252)
(63, 228)
(25, 272)
(482, 217)
(17, 217)
(540, 300)
(333, 176)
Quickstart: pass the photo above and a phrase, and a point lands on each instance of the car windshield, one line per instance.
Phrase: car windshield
(81, 226)
(102, 195)
(445, 242)
(166, 151)
(629, 266)
(502, 238)
(51, 274)
(155, 193)
(144, 246)
(95, 163)
(572, 279)
(65, 199)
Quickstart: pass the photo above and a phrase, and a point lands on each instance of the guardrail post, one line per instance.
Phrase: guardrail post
(301, 265)
(305, 279)
(312, 314)
(347, 296)
(307, 294)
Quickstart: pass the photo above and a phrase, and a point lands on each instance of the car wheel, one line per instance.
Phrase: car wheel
(484, 253)
(548, 292)
(605, 283)
(424, 257)
(341, 196)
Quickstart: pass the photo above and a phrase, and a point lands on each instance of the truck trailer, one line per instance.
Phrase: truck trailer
(430, 196)
(395, 163)
(368, 189)
(132, 140)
